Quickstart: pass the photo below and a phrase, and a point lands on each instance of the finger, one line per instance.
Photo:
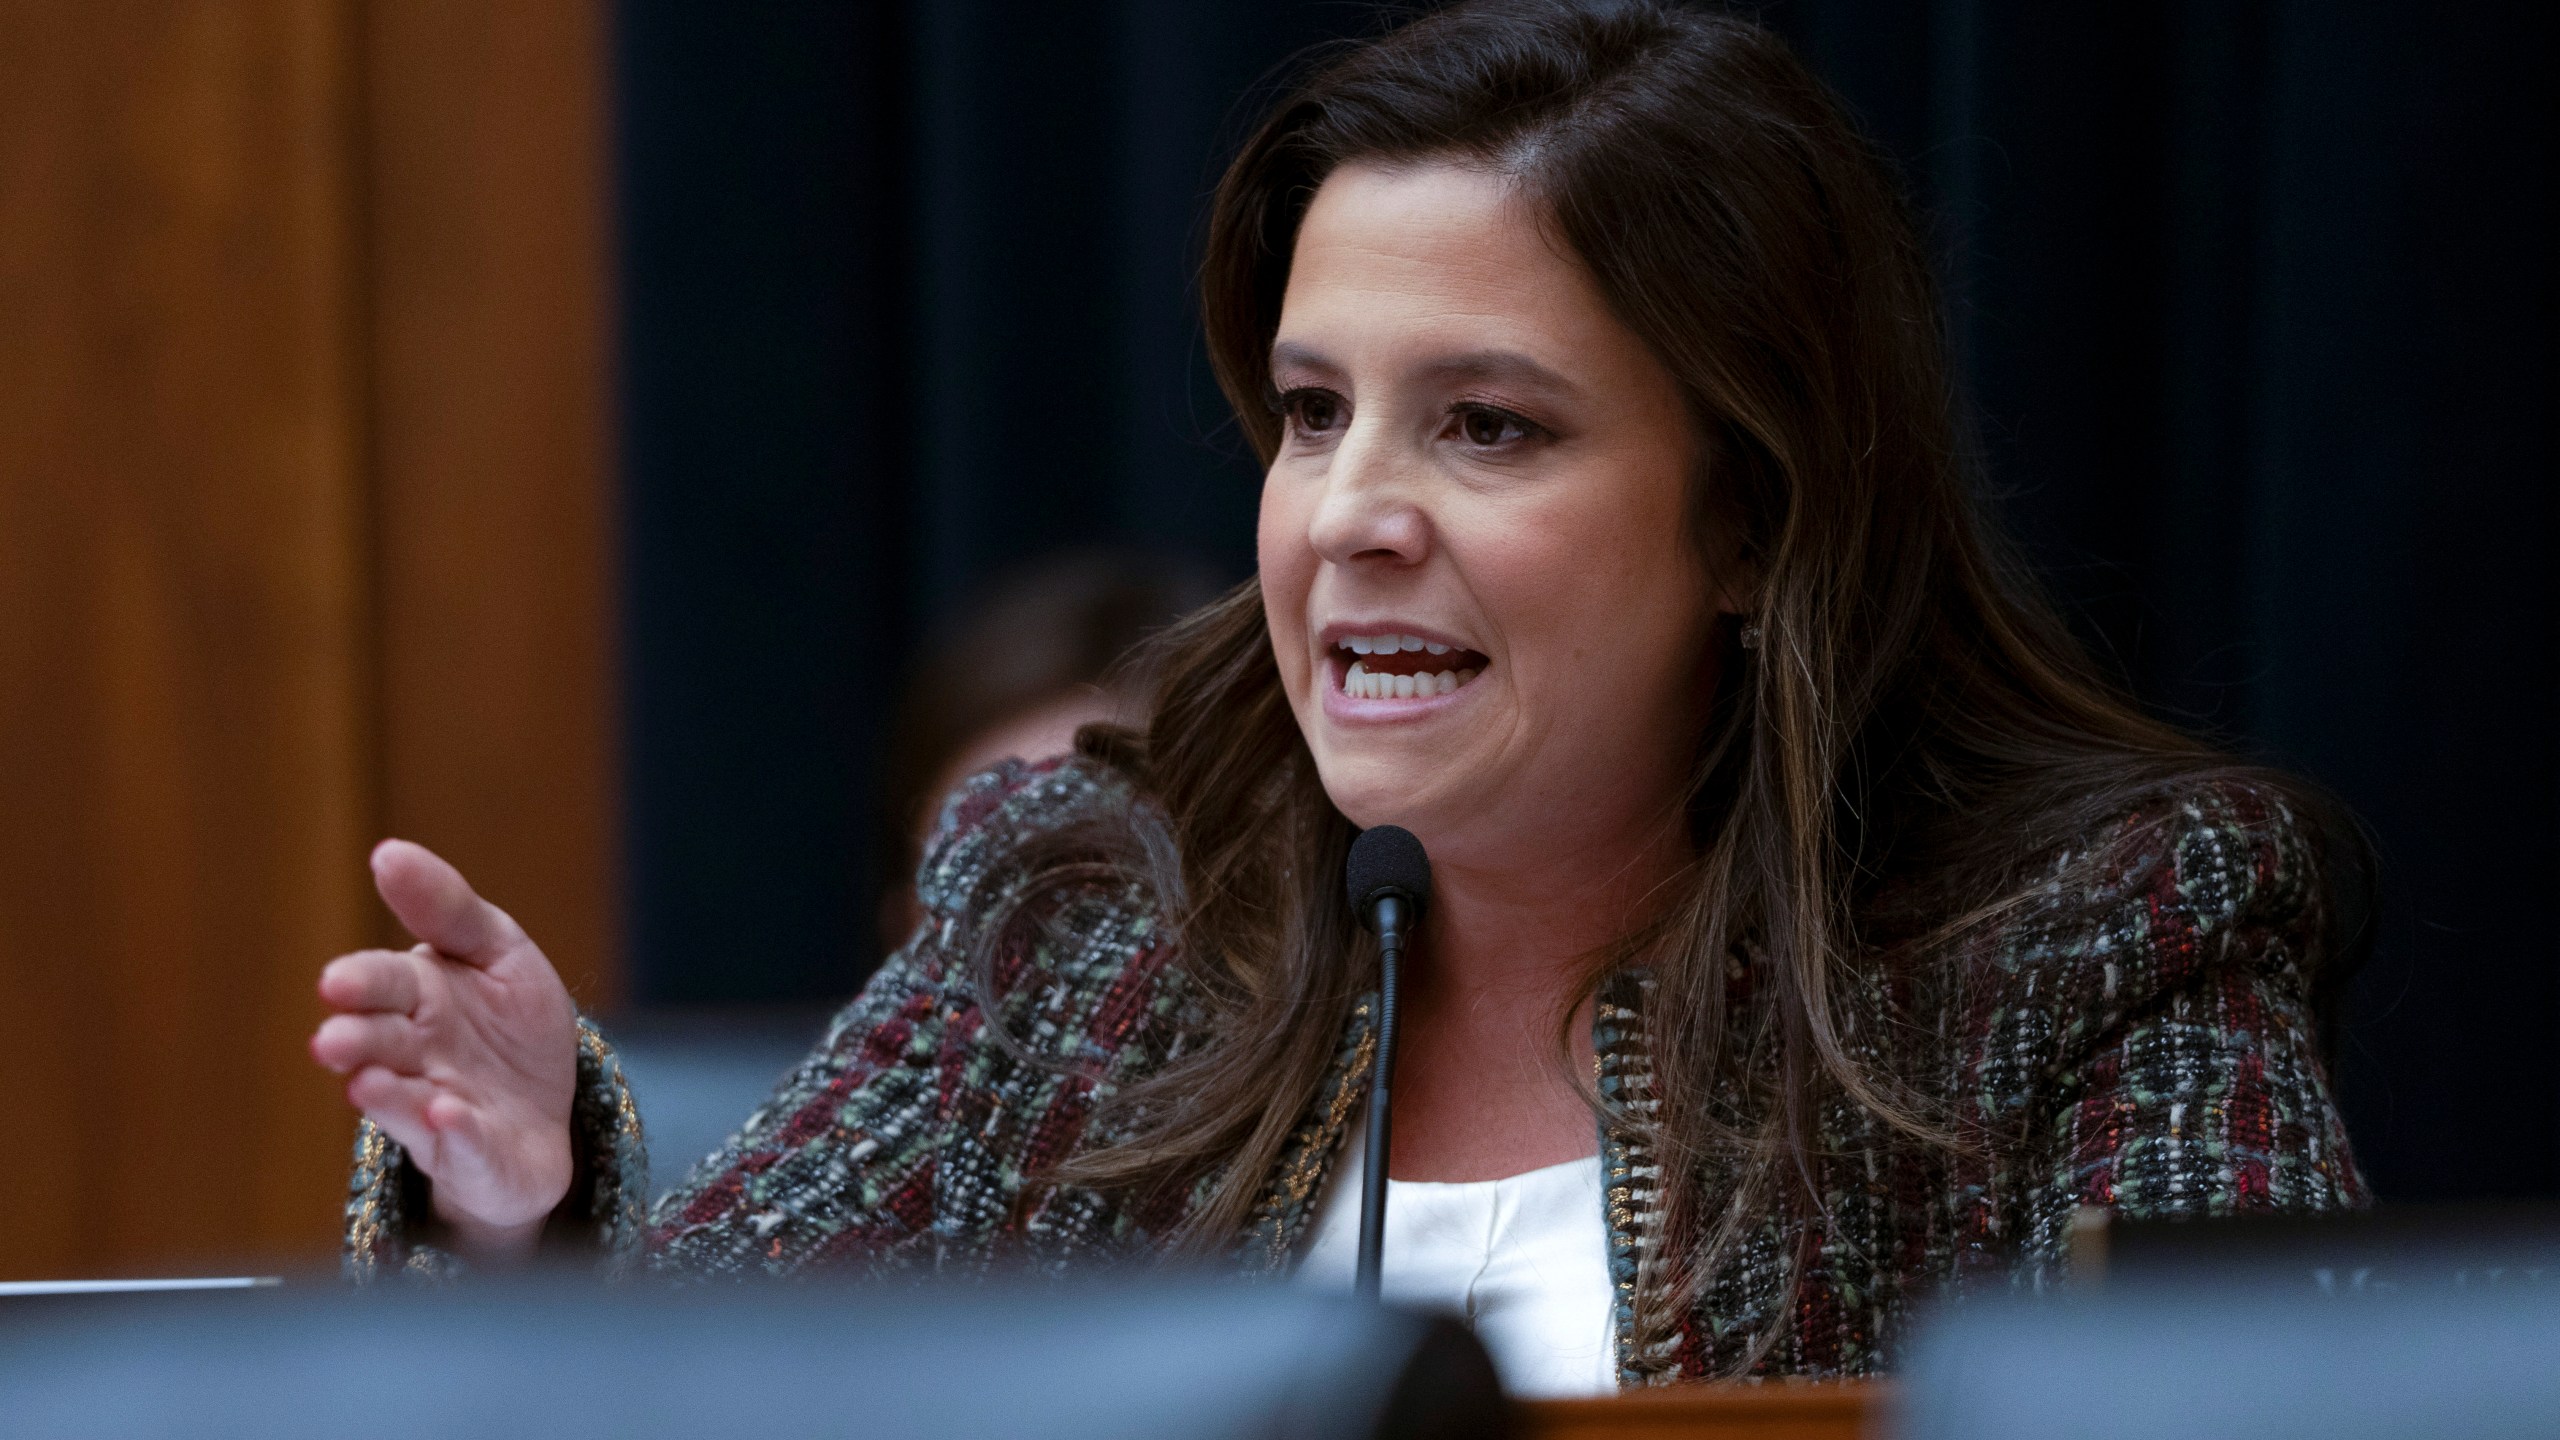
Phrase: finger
(398, 1104)
(373, 980)
(356, 1042)
(449, 1117)
(437, 904)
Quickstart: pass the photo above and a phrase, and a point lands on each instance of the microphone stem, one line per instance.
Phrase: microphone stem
(1373, 1175)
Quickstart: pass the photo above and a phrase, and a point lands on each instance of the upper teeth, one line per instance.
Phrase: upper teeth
(1360, 681)
(1390, 644)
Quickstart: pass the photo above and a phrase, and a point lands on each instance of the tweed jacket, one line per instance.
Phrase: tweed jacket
(2142, 1044)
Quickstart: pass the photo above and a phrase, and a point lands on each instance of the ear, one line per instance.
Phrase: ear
(1737, 594)
(1725, 548)
(1733, 581)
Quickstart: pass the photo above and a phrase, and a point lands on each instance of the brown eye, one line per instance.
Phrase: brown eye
(1490, 427)
(1317, 411)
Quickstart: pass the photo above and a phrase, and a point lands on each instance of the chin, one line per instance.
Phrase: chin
(1378, 790)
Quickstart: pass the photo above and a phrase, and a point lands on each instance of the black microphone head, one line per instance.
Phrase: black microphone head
(1385, 860)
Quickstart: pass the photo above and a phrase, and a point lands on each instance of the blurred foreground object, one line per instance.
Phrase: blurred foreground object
(2443, 1325)
(808, 1360)
(2399, 1249)
(1724, 1410)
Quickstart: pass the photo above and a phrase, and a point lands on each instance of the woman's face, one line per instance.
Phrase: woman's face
(1476, 546)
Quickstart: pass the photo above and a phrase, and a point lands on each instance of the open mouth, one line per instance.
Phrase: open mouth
(1402, 667)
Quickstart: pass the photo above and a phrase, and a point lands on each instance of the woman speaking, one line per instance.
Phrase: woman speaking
(1810, 930)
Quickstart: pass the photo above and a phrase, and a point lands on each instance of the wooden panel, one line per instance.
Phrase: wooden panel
(185, 763)
(488, 167)
(303, 538)
(1782, 1410)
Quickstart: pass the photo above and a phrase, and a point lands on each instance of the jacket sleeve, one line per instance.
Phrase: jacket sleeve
(2214, 1104)
(2164, 1060)
(843, 1166)
(840, 1151)
(388, 1228)
(839, 1162)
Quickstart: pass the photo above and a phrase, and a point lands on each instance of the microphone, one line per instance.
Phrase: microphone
(1390, 882)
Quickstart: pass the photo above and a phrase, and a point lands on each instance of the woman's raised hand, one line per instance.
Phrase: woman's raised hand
(463, 1049)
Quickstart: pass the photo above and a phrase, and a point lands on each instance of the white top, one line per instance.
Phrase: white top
(1523, 1260)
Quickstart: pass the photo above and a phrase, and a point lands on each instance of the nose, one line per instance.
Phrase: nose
(1370, 513)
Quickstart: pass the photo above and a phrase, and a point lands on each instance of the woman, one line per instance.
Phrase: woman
(1800, 898)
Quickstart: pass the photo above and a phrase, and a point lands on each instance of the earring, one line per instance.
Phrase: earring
(1750, 634)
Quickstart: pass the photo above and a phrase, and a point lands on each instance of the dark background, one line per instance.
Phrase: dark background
(2255, 303)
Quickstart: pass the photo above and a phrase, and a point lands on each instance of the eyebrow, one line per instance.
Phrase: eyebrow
(1482, 365)
(1289, 353)
(1500, 365)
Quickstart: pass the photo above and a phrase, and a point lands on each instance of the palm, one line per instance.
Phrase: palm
(463, 1048)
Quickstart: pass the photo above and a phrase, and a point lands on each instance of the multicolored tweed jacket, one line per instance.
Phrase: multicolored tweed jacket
(2143, 1045)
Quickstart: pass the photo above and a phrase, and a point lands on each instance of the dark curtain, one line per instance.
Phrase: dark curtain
(2255, 302)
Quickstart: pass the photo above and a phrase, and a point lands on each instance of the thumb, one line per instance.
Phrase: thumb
(437, 904)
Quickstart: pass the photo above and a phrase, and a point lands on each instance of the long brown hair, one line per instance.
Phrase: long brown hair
(1913, 727)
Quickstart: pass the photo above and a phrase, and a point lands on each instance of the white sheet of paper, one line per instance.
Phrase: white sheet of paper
(130, 1287)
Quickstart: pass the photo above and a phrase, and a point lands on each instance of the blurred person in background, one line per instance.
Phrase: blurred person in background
(1014, 675)
(1025, 667)
(1813, 931)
